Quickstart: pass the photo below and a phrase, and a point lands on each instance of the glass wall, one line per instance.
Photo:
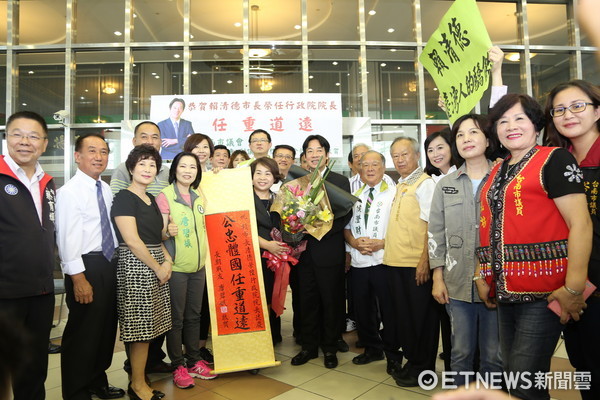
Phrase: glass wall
(103, 62)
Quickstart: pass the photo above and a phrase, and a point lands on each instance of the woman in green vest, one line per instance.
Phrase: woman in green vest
(182, 207)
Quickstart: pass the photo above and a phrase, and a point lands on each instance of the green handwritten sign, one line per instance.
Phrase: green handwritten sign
(456, 57)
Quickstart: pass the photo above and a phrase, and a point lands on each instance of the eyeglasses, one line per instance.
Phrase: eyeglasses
(34, 137)
(574, 108)
(259, 140)
(286, 156)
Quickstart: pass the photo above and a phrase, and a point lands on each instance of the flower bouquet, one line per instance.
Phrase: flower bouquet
(304, 207)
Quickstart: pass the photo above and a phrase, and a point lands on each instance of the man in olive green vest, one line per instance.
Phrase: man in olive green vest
(405, 255)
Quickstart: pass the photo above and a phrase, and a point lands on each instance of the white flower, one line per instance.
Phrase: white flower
(574, 173)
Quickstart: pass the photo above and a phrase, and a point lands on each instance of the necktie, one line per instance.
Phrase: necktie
(368, 205)
(176, 124)
(108, 244)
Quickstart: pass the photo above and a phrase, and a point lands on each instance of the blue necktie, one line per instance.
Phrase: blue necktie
(108, 244)
(176, 124)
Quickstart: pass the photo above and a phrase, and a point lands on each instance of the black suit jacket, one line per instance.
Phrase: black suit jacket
(265, 220)
(330, 250)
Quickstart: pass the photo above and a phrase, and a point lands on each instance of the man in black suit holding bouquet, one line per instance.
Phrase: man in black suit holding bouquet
(321, 273)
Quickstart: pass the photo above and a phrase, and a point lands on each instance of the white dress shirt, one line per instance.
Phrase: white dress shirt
(33, 184)
(376, 227)
(78, 228)
(424, 194)
(356, 183)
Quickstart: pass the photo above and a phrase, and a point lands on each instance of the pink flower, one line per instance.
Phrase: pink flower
(301, 214)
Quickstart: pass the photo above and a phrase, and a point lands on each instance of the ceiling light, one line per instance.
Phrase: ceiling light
(398, 67)
(194, 72)
(335, 63)
(24, 104)
(517, 56)
(191, 36)
(393, 50)
(257, 53)
(31, 72)
(176, 55)
(435, 89)
(230, 81)
(109, 89)
(266, 86)
(237, 24)
(214, 91)
(135, 102)
(389, 100)
(337, 84)
(134, 15)
(391, 30)
(157, 77)
(372, 12)
(310, 89)
(82, 98)
(153, 73)
(405, 94)
(297, 27)
(310, 77)
(383, 65)
(117, 33)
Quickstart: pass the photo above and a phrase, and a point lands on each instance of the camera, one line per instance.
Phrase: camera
(60, 115)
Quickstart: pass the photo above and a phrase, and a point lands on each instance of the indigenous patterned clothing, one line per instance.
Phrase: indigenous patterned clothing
(590, 166)
(522, 233)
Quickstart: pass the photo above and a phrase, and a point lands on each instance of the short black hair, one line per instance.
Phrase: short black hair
(350, 157)
(137, 127)
(531, 107)
(285, 147)
(322, 141)
(177, 100)
(80, 139)
(28, 115)
(270, 164)
(259, 131)
(222, 147)
(481, 121)
(142, 152)
(303, 154)
(173, 170)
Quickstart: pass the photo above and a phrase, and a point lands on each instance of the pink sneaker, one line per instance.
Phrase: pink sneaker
(201, 370)
(182, 378)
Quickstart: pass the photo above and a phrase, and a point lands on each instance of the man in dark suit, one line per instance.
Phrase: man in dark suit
(321, 273)
(174, 130)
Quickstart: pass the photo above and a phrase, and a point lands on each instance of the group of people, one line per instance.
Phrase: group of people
(494, 228)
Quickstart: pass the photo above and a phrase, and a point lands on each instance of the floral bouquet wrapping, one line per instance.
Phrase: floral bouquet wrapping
(304, 207)
(281, 266)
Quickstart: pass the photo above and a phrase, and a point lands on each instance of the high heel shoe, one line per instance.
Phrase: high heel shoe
(134, 396)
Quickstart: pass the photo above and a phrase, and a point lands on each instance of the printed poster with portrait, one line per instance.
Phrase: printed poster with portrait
(228, 119)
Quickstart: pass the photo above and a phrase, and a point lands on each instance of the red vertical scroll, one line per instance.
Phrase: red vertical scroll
(235, 281)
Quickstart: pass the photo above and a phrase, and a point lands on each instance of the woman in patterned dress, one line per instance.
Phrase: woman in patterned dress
(535, 238)
(144, 267)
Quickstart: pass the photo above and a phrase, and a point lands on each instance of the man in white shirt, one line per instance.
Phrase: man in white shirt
(27, 201)
(358, 150)
(365, 238)
(86, 245)
(407, 259)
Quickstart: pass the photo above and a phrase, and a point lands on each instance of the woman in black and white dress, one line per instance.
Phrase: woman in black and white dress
(144, 267)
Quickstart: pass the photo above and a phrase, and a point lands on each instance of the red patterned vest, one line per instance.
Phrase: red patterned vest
(524, 242)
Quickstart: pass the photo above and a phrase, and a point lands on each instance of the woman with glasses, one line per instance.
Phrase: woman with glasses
(574, 123)
(535, 241)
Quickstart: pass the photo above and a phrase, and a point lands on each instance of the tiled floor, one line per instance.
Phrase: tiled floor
(286, 382)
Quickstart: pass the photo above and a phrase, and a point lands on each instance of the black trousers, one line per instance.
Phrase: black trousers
(30, 318)
(89, 338)
(296, 304)
(371, 287)
(322, 302)
(418, 321)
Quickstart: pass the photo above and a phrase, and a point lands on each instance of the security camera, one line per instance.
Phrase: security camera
(61, 115)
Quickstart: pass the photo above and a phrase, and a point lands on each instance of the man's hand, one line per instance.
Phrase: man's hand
(82, 290)
(169, 142)
(423, 273)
